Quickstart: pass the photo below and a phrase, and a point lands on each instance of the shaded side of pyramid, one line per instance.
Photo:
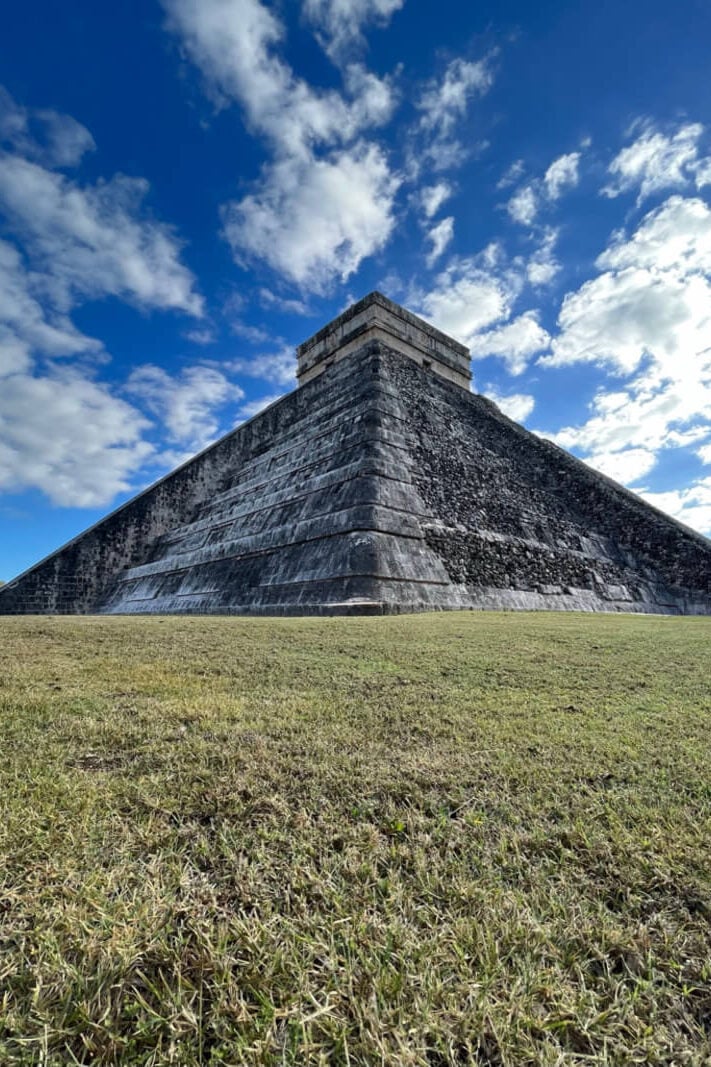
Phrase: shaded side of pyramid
(293, 512)
(517, 522)
(324, 519)
(381, 485)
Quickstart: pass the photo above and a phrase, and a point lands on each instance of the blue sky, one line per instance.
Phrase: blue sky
(190, 188)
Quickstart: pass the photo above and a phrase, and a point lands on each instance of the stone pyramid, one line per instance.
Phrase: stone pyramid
(381, 484)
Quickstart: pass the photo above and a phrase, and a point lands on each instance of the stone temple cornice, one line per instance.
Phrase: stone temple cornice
(377, 318)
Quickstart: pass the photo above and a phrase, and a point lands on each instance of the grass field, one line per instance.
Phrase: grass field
(433, 840)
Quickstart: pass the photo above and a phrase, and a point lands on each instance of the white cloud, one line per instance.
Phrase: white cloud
(518, 406)
(43, 135)
(25, 325)
(514, 342)
(655, 160)
(702, 176)
(204, 336)
(316, 219)
(445, 102)
(233, 42)
(691, 505)
(511, 175)
(442, 105)
(277, 367)
(627, 466)
(254, 334)
(704, 453)
(469, 295)
(339, 23)
(91, 242)
(561, 175)
(523, 205)
(620, 317)
(655, 300)
(325, 201)
(62, 432)
(68, 437)
(253, 407)
(188, 404)
(431, 198)
(643, 415)
(674, 237)
(440, 236)
(542, 265)
(646, 315)
(288, 306)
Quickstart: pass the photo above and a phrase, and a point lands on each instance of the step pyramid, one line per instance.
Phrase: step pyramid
(380, 485)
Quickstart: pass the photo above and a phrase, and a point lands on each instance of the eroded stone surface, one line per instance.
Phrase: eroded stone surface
(375, 318)
(378, 487)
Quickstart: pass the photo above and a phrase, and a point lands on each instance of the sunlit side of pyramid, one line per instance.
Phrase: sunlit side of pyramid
(380, 485)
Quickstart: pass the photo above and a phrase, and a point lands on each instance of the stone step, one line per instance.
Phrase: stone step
(363, 518)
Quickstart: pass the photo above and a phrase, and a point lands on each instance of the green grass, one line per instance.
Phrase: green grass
(433, 840)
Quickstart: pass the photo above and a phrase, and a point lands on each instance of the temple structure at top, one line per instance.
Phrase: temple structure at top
(377, 318)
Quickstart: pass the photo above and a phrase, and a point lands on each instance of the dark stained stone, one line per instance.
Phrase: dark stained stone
(378, 486)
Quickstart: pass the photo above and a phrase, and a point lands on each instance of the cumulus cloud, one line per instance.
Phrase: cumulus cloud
(675, 237)
(276, 367)
(234, 42)
(254, 407)
(315, 219)
(646, 318)
(188, 404)
(93, 241)
(440, 236)
(655, 298)
(46, 136)
(442, 104)
(325, 201)
(68, 437)
(620, 317)
(523, 205)
(512, 174)
(204, 336)
(626, 466)
(514, 343)
(287, 305)
(691, 505)
(656, 160)
(642, 415)
(431, 198)
(339, 23)
(61, 431)
(518, 406)
(26, 326)
(562, 174)
(542, 266)
(253, 334)
(702, 176)
(469, 295)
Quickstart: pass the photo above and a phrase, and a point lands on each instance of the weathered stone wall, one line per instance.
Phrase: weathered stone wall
(515, 511)
(378, 487)
(377, 318)
(323, 520)
(75, 579)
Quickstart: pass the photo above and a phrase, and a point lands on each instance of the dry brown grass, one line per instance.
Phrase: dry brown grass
(434, 840)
